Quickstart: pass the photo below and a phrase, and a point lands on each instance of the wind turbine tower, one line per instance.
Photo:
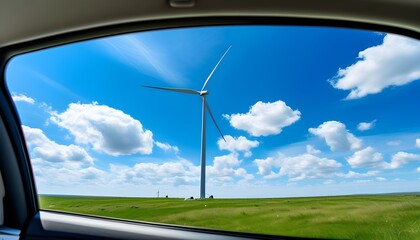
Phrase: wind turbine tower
(205, 108)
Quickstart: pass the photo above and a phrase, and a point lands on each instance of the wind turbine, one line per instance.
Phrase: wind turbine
(205, 107)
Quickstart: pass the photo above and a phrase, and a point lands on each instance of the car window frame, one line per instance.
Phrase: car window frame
(24, 199)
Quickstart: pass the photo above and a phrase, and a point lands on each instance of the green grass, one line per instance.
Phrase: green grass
(345, 217)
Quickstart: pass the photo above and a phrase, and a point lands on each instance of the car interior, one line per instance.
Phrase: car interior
(28, 26)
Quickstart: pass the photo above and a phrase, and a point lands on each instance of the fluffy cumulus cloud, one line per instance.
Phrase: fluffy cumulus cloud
(226, 161)
(308, 166)
(180, 172)
(264, 119)
(166, 147)
(364, 126)
(418, 142)
(312, 150)
(337, 137)
(23, 98)
(265, 166)
(369, 158)
(395, 62)
(400, 159)
(366, 158)
(225, 169)
(106, 129)
(47, 151)
(62, 165)
(305, 166)
(237, 144)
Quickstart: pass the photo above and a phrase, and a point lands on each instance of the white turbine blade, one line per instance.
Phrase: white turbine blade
(189, 91)
(212, 117)
(208, 78)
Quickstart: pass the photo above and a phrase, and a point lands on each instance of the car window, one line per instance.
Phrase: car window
(284, 130)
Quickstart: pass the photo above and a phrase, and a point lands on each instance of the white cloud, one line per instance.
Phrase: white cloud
(23, 98)
(65, 176)
(366, 158)
(92, 173)
(225, 168)
(395, 62)
(418, 169)
(418, 142)
(226, 161)
(56, 164)
(264, 119)
(108, 130)
(46, 151)
(401, 158)
(352, 174)
(166, 147)
(337, 137)
(265, 165)
(364, 126)
(363, 181)
(305, 166)
(180, 172)
(381, 179)
(237, 144)
(312, 150)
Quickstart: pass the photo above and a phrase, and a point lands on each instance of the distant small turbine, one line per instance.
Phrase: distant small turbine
(203, 93)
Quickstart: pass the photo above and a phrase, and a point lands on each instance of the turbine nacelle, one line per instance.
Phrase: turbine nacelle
(204, 93)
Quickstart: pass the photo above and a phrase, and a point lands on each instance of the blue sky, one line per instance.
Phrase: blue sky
(305, 111)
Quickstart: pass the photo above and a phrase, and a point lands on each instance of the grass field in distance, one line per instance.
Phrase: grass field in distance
(342, 217)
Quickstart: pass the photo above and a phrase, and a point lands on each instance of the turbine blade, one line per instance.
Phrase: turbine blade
(208, 78)
(189, 91)
(212, 117)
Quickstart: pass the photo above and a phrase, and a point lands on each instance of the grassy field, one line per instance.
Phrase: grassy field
(345, 217)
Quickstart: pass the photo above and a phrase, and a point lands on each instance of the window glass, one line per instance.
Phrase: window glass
(306, 131)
